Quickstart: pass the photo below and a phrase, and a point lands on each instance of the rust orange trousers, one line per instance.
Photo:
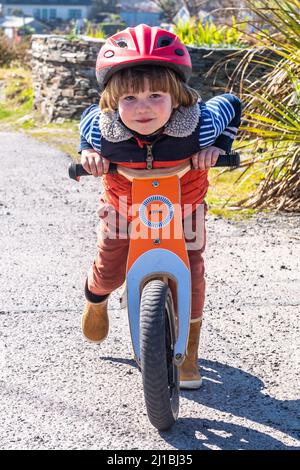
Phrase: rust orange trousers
(108, 271)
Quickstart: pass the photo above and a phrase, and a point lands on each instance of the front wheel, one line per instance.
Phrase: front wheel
(157, 340)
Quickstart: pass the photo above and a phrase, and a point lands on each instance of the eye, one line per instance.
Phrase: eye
(155, 95)
(128, 98)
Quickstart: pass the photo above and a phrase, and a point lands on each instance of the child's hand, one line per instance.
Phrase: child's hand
(206, 158)
(93, 162)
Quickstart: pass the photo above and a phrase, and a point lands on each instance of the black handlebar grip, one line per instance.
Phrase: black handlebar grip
(76, 170)
(229, 159)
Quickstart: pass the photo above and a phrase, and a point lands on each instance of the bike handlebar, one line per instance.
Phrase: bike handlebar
(228, 160)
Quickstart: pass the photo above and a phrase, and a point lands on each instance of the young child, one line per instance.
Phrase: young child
(148, 117)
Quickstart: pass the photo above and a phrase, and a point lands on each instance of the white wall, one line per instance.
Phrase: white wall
(61, 11)
(9, 32)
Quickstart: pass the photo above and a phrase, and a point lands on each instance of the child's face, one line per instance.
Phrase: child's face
(145, 112)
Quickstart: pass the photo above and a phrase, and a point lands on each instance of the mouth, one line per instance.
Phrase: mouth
(143, 121)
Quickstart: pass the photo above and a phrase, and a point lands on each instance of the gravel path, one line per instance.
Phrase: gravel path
(60, 392)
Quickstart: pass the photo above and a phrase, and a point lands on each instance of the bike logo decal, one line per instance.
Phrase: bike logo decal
(159, 206)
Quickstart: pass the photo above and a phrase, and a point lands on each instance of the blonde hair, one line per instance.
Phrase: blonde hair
(132, 80)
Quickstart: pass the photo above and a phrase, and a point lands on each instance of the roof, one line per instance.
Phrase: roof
(49, 2)
(15, 21)
(144, 6)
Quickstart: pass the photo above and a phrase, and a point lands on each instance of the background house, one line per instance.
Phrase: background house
(137, 12)
(12, 26)
(50, 9)
(132, 12)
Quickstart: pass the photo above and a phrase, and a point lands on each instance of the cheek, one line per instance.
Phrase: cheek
(124, 111)
(120, 108)
(165, 111)
(166, 107)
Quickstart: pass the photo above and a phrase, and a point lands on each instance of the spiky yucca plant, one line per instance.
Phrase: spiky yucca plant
(196, 33)
(272, 112)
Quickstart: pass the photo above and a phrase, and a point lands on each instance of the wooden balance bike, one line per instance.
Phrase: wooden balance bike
(158, 257)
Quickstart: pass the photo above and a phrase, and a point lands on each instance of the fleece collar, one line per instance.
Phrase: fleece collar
(182, 123)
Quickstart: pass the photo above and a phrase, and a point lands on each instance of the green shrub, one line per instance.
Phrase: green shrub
(272, 112)
(196, 33)
(94, 31)
(7, 51)
(22, 51)
(111, 28)
(10, 51)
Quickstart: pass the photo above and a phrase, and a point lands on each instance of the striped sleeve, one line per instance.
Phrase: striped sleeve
(220, 119)
(90, 135)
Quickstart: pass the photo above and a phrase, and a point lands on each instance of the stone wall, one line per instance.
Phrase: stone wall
(64, 77)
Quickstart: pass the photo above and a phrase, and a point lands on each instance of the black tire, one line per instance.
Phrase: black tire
(157, 338)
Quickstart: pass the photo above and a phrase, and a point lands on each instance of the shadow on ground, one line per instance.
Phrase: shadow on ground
(231, 390)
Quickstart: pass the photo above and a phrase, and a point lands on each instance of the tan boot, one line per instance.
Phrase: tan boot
(189, 375)
(95, 322)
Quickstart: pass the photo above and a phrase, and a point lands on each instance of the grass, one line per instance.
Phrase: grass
(16, 113)
(63, 136)
(4, 113)
(16, 97)
(225, 192)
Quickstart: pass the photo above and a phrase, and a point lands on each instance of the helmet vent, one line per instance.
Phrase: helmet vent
(164, 41)
(122, 43)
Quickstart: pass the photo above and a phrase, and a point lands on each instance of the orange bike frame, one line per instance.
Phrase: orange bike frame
(157, 250)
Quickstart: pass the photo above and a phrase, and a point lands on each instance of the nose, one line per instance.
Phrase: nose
(142, 106)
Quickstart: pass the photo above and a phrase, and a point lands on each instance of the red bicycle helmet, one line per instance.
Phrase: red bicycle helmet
(142, 45)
